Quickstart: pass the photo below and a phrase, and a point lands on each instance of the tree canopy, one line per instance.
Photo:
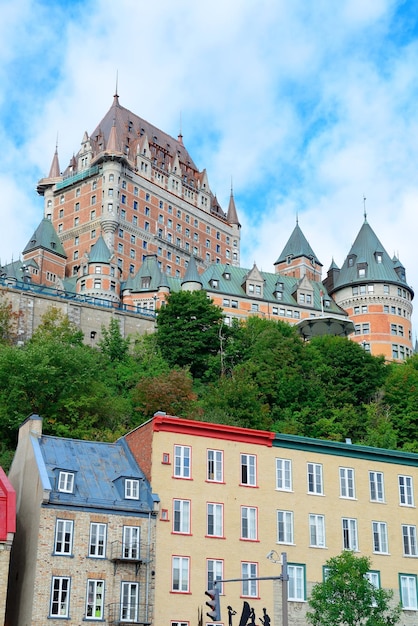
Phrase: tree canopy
(348, 597)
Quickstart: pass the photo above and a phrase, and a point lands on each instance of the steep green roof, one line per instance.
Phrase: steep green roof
(297, 246)
(368, 261)
(99, 252)
(191, 275)
(45, 237)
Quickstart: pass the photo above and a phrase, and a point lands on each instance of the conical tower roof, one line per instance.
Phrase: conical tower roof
(99, 252)
(232, 215)
(45, 237)
(369, 261)
(297, 246)
(192, 275)
(55, 171)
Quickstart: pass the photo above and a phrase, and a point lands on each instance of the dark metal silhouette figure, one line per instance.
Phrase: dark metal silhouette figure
(231, 612)
(265, 620)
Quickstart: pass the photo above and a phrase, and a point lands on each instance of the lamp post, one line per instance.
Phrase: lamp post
(274, 557)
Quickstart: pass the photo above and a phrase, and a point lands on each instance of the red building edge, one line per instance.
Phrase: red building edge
(7, 508)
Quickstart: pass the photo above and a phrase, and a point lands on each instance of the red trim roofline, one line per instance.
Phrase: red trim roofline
(172, 424)
(7, 507)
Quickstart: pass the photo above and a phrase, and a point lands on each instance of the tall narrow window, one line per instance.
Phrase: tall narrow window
(214, 520)
(349, 527)
(296, 585)
(130, 543)
(376, 487)
(347, 482)
(315, 484)
(249, 587)
(95, 598)
(408, 585)
(284, 527)
(129, 602)
(181, 516)
(180, 574)
(182, 466)
(284, 474)
(248, 522)
(60, 596)
(409, 539)
(317, 530)
(63, 536)
(214, 572)
(215, 466)
(248, 470)
(380, 537)
(97, 543)
(406, 494)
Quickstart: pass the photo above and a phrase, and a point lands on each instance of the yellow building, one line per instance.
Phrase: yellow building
(229, 496)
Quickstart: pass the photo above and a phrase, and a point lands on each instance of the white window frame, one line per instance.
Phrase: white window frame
(60, 596)
(97, 540)
(380, 537)
(95, 599)
(347, 484)
(249, 523)
(349, 532)
(249, 588)
(214, 519)
(182, 461)
(285, 527)
(406, 490)
(131, 489)
(66, 482)
(248, 470)
(214, 571)
(377, 486)
(181, 516)
(296, 584)
(131, 542)
(374, 579)
(409, 540)
(408, 591)
(64, 532)
(215, 466)
(317, 530)
(284, 474)
(129, 601)
(180, 568)
(315, 479)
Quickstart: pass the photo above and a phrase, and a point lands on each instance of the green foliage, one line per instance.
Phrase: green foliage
(190, 328)
(8, 322)
(170, 392)
(347, 598)
(400, 395)
(56, 326)
(113, 345)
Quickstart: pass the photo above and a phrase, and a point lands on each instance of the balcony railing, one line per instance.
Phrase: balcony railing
(126, 552)
(127, 614)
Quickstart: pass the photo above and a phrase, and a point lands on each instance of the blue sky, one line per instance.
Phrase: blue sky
(307, 106)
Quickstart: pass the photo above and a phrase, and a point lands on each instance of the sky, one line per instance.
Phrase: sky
(307, 107)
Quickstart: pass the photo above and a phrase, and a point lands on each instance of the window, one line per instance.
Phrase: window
(315, 478)
(129, 602)
(349, 527)
(248, 471)
(215, 466)
(130, 542)
(248, 522)
(346, 482)
(380, 537)
(181, 516)
(296, 585)
(60, 596)
(180, 574)
(97, 542)
(66, 482)
(376, 487)
(284, 474)
(214, 520)
(406, 494)
(214, 572)
(249, 587)
(409, 538)
(408, 588)
(94, 601)
(182, 461)
(63, 536)
(316, 530)
(284, 527)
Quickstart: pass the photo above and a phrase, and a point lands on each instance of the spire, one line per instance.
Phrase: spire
(232, 215)
(180, 135)
(364, 209)
(297, 246)
(192, 275)
(55, 171)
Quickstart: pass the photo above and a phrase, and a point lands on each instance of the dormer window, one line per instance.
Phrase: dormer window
(379, 257)
(66, 482)
(132, 489)
(214, 283)
(227, 276)
(351, 261)
(146, 282)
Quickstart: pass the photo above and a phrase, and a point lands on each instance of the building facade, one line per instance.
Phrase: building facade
(7, 533)
(230, 496)
(85, 541)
